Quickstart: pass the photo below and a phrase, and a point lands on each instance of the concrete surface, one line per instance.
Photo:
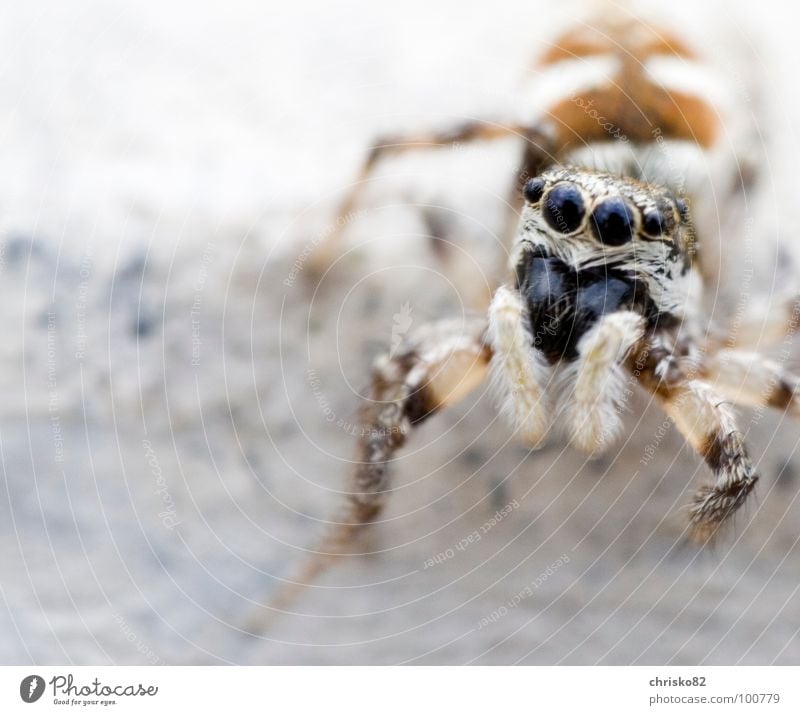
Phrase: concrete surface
(177, 404)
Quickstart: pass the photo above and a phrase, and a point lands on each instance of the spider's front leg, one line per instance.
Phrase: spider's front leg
(435, 367)
(708, 423)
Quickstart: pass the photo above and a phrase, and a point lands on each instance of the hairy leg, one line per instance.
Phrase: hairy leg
(519, 370)
(597, 380)
(708, 424)
(751, 379)
(434, 368)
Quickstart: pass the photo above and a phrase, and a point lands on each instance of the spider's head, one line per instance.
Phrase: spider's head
(599, 242)
(588, 218)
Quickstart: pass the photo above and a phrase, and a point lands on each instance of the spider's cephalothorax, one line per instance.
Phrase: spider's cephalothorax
(623, 171)
(603, 276)
(591, 244)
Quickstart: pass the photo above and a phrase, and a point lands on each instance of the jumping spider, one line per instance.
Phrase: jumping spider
(605, 288)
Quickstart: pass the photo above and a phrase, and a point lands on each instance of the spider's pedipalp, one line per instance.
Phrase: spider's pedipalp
(435, 367)
(595, 380)
(519, 370)
(708, 424)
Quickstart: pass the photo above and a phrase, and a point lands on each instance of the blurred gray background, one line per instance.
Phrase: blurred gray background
(177, 398)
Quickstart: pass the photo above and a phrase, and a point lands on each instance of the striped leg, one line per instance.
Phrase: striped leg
(593, 405)
(751, 379)
(538, 154)
(707, 422)
(520, 371)
(438, 365)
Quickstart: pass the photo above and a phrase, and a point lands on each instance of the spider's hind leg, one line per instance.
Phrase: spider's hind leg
(538, 154)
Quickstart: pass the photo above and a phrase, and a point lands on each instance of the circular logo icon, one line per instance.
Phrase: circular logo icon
(31, 688)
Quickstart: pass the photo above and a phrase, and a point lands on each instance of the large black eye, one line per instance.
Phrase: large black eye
(612, 221)
(534, 188)
(654, 223)
(683, 208)
(563, 208)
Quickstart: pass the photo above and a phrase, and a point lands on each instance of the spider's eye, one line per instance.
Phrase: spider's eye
(654, 223)
(683, 208)
(534, 188)
(563, 208)
(612, 221)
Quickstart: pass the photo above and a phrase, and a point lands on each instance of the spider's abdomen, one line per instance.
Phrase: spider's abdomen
(564, 303)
